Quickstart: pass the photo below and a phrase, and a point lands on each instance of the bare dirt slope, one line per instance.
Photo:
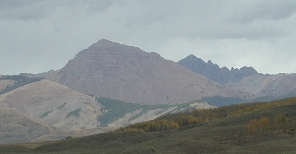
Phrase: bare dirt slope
(129, 74)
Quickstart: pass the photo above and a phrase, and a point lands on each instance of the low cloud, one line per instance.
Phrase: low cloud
(230, 33)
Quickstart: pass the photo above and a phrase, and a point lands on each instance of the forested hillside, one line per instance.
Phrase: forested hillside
(176, 120)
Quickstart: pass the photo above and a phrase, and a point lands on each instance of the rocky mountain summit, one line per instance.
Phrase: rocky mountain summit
(214, 72)
(127, 73)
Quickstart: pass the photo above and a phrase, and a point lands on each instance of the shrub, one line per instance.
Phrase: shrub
(68, 138)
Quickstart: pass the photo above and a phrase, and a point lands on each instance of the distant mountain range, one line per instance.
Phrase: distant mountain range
(214, 72)
(263, 87)
(112, 85)
(130, 74)
(127, 73)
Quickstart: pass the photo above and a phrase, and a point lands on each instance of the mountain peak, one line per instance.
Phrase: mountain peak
(127, 73)
(193, 59)
(104, 43)
(214, 72)
(104, 46)
(191, 56)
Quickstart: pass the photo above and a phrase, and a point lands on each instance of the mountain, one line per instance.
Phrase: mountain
(214, 72)
(263, 87)
(44, 110)
(268, 85)
(127, 73)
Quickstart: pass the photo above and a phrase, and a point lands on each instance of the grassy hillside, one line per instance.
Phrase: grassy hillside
(15, 127)
(220, 130)
(19, 81)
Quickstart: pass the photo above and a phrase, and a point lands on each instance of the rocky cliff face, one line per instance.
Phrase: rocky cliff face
(127, 73)
(214, 72)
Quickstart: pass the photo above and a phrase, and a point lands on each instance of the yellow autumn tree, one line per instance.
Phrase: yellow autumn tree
(257, 125)
(253, 126)
(264, 123)
(281, 120)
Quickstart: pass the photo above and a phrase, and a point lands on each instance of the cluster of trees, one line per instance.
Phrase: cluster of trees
(255, 125)
(152, 126)
(281, 120)
(172, 121)
(74, 113)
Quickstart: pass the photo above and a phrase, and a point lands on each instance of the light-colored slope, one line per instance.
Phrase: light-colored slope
(5, 83)
(16, 127)
(267, 85)
(53, 104)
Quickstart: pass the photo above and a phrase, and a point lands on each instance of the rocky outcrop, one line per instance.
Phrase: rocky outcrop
(214, 72)
(127, 73)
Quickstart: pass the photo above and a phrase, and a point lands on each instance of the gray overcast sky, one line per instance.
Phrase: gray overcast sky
(39, 35)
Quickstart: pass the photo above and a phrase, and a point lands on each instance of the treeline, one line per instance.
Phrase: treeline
(20, 81)
(151, 126)
(280, 121)
(175, 120)
(247, 107)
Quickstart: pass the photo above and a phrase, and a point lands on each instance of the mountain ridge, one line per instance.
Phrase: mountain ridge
(267, 85)
(212, 71)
